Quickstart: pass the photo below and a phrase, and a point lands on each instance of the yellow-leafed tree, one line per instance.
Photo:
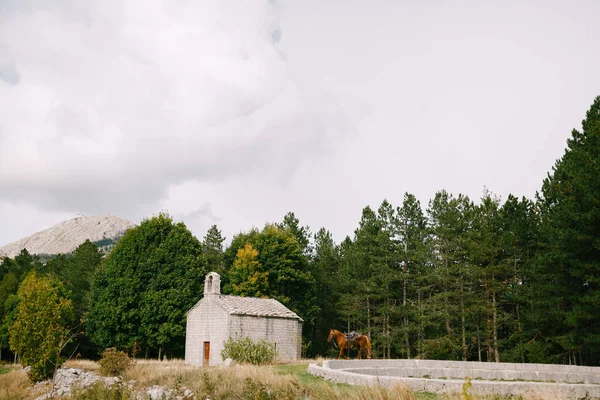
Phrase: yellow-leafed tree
(247, 276)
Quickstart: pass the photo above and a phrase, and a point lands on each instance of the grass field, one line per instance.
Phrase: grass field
(4, 370)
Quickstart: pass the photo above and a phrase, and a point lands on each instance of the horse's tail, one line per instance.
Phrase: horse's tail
(369, 351)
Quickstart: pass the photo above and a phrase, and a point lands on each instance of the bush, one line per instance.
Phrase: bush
(247, 351)
(100, 391)
(114, 363)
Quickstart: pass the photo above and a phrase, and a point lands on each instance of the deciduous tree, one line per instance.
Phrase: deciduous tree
(41, 327)
(145, 286)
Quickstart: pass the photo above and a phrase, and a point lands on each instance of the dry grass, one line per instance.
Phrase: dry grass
(85, 365)
(15, 385)
(247, 381)
(283, 381)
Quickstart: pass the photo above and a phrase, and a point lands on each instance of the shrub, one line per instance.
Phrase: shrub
(114, 363)
(247, 351)
(100, 391)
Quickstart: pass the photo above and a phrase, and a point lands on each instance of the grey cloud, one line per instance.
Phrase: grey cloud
(8, 69)
(9, 74)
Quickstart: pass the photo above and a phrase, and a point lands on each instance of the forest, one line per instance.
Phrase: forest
(514, 280)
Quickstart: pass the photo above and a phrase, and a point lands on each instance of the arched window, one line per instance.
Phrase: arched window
(210, 279)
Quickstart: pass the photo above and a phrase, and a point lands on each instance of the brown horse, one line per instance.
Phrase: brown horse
(362, 342)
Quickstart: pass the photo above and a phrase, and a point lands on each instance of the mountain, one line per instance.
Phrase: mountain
(64, 237)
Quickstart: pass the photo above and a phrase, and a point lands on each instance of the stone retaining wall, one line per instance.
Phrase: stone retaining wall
(536, 380)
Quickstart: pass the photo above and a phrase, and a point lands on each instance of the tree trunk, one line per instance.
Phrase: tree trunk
(420, 333)
(495, 326)
(520, 331)
(519, 327)
(368, 317)
(488, 339)
(348, 322)
(406, 335)
(159, 353)
(463, 328)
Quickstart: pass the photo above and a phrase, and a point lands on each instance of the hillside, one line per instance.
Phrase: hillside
(65, 236)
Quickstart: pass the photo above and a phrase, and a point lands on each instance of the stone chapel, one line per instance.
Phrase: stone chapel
(216, 317)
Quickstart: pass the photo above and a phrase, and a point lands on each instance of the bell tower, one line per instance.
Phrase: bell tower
(212, 284)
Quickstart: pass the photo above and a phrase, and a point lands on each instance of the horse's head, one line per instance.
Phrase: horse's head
(331, 335)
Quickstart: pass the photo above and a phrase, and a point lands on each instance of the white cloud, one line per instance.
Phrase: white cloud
(116, 101)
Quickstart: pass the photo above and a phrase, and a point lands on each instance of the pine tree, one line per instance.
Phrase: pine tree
(450, 282)
(570, 212)
(485, 253)
(212, 247)
(519, 235)
(325, 267)
(412, 226)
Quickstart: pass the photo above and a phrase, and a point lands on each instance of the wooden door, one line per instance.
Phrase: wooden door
(206, 354)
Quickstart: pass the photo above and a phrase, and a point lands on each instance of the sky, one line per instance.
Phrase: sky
(234, 112)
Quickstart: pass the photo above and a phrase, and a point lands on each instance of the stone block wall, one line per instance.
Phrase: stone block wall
(207, 322)
(283, 331)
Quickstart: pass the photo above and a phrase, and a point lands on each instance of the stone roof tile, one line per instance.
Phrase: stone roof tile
(255, 306)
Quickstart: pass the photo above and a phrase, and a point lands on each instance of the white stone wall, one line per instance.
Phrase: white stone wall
(284, 332)
(206, 323)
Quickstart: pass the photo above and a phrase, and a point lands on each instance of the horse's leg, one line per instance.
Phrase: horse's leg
(341, 352)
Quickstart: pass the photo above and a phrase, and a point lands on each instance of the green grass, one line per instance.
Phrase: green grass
(4, 370)
(301, 371)
(426, 396)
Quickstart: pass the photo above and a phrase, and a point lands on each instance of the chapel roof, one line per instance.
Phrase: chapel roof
(254, 306)
(238, 305)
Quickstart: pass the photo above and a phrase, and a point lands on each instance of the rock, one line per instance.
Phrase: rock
(228, 362)
(158, 393)
(66, 378)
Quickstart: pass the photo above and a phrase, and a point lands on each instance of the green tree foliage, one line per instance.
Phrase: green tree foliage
(449, 284)
(325, 268)
(370, 278)
(145, 286)
(41, 328)
(23, 263)
(520, 242)
(411, 225)
(76, 271)
(10, 314)
(570, 214)
(212, 246)
(302, 233)
(8, 287)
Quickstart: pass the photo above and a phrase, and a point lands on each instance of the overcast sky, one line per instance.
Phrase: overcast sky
(235, 112)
